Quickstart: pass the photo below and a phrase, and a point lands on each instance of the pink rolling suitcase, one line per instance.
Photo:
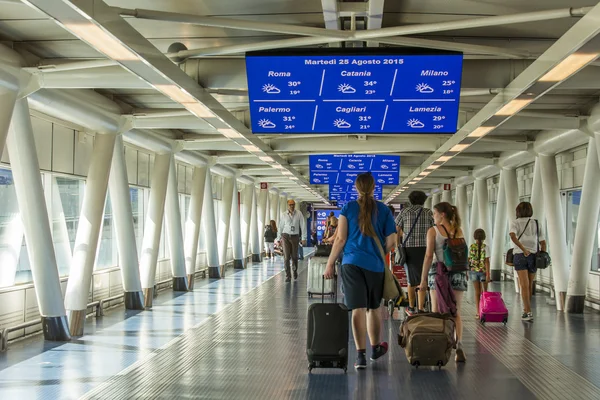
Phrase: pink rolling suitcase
(492, 308)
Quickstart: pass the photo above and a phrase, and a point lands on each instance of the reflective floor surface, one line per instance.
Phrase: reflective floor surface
(244, 337)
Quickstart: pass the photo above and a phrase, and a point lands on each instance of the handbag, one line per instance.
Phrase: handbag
(323, 250)
(510, 256)
(456, 253)
(542, 258)
(391, 287)
(400, 258)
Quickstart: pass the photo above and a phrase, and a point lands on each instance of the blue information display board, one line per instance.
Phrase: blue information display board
(330, 169)
(390, 93)
(346, 193)
(321, 220)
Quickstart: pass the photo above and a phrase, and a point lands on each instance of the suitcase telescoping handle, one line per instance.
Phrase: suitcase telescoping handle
(334, 289)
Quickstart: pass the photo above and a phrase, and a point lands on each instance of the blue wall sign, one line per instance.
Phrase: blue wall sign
(342, 169)
(321, 220)
(391, 93)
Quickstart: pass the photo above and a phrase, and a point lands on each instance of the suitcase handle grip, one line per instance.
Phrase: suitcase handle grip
(334, 289)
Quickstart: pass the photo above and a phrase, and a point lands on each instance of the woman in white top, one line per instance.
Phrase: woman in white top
(527, 239)
(447, 224)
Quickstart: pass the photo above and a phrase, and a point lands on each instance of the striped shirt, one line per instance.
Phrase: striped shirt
(405, 220)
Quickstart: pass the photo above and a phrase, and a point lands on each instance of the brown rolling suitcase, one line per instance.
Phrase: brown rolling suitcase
(428, 339)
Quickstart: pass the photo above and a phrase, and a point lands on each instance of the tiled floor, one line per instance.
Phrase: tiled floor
(226, 341)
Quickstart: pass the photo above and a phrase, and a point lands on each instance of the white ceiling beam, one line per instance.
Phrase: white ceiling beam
(374, 18)
(351, 144)
(331, 17)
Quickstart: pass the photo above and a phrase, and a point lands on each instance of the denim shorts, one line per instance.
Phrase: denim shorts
(523, 263)
(476, 276)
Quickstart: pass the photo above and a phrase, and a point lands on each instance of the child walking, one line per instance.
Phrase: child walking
(479, 265)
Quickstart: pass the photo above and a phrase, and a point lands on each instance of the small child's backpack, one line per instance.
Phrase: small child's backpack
(456, 253)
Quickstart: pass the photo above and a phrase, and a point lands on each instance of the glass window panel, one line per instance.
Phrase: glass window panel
(106, 251)
(137, 208)
(13, 255)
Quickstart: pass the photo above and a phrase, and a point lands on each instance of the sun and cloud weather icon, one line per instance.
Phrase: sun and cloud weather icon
(266, 123)
(346, 88)
(385, 167)
(351, 166)
(269, 88)
(341, 123)
(316, 180)
(380, 181)
(424, 88)
(318, 166)
(415, 123)
(349, 180)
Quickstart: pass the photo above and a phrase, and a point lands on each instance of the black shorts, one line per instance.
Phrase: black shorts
(362, 288)
(414, 264)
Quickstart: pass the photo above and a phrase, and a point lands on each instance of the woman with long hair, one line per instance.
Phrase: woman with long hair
(365, 233)
(447, 224)
(527, 239)
(270, 235)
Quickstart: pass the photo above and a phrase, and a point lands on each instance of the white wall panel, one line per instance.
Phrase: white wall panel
(62, 149)
(84, 147)
(42, 133)
(188, 179)
(5, 158)
(180, 178)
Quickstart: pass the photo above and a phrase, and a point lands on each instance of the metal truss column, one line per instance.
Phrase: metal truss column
(118, 186)
(88, 232)
(192, 223)
(254, 232)
(34, 214)
(499, 242)
(262, 218)
(585, 233)
(511, 190)
(174, 232)
(210, 229)
(246, 220)
(556, 227)
(463, 207)
(153, 225)
(236, 229)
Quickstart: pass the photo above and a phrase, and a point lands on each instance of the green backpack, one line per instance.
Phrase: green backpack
(456, 253)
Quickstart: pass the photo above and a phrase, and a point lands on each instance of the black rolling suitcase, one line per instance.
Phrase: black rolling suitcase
(327, 338)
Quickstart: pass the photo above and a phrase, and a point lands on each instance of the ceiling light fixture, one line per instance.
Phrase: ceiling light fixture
(251, 148)
(176, 93)
(199, 110)
(267, 159)
(481, 131)
(102, 41)
(568, 67)
(444, 158)
(230, 133)
(459, 147)
(513, 107)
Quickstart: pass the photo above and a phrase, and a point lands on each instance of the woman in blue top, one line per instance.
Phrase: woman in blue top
(360, 223)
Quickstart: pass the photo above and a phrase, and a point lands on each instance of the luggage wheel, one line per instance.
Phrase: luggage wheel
(416, 364)
(391, 308)
(482, 320)
(310, 295)
(440, 364)
(505, 321)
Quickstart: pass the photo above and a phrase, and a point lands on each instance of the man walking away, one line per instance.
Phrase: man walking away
(415, 243)
(290, 224)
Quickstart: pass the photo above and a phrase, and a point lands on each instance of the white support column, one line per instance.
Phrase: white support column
(474, 220)
(153, 225)
(282, 206)
(174, 232)
(511, 190)
(537, 202)
(254, 233)
(192, 223)
(246, 219)
(463, 207)
(88, 232)
(587, 225)
(429, 202)
(497, 256)
(210, 229)
(236, 229)
(262, 218)
(447, 196)
(483, 205)
(118, 186)
(556, 228)
(225, 221)
(34, 214)
(436, 198)
(272, 210)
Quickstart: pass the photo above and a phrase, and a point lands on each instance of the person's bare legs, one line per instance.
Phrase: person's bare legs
(525, 287)
(411, 296)
(359, 328)
(433, 297)
(374, 326)
(531, 282)
(460, 354)
(477, 286)
(421, 298)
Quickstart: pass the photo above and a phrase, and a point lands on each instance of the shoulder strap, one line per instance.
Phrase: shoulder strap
(537, 225)
(377, 242)
(446, 230)
(524, 229)
(412, 227)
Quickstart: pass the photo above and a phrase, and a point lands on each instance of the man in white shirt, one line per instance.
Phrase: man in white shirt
(290, 229)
